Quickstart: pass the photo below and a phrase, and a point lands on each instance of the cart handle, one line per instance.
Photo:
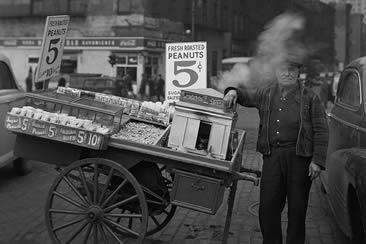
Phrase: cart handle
(258, 173)
(247, 177)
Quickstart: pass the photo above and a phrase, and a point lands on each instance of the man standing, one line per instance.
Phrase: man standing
(293, 139)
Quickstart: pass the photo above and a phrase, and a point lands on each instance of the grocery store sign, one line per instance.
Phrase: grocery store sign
(186, 68)
(89, 42)
(55, 132)
(52, 47)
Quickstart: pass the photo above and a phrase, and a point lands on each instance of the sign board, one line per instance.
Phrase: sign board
(57, 132)
(53, 43)
(185, 67)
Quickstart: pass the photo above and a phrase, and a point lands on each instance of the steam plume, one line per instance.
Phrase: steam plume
(278, 43)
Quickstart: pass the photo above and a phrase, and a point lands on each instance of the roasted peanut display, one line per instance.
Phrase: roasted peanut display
(140, 132)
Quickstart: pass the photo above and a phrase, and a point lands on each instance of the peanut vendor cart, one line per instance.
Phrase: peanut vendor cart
(124, 167)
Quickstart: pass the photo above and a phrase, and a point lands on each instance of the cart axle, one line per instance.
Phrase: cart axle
(95, 214)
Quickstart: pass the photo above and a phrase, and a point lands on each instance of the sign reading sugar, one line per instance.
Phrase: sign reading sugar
(185, 67)
(52, 46)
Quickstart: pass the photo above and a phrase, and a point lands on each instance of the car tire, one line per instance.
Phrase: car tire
(22, 166)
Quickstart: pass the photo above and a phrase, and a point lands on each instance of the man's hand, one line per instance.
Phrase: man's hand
(230, 99)
(314, 170)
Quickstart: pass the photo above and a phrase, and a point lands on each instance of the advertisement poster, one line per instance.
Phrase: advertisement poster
(53, 43)
(186, 68)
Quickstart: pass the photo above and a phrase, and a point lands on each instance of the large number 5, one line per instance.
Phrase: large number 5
(192, 74)
(52, 49)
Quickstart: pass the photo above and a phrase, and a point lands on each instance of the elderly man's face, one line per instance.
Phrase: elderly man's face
(287, 74)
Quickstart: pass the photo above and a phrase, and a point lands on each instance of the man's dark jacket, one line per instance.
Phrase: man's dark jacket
(312, 139)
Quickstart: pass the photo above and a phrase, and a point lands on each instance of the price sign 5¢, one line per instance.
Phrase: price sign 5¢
(186, 68)
(52, 46)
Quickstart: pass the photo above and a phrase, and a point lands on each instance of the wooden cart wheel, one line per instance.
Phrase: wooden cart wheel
(83, 204)
(158, 219)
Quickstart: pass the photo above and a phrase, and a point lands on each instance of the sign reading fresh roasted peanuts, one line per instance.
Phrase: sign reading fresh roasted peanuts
(53, 43)
(185, 67)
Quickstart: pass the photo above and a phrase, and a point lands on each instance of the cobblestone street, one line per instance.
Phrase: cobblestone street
(22, 201)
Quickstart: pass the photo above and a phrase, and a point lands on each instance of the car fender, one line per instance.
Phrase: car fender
(346, 168)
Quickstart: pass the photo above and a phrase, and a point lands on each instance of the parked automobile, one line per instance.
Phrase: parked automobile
(344, 180)
(102, 84)
(228, 63)
(10, 96)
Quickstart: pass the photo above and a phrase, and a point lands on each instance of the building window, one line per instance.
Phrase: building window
(77, 7)
(56, 7)
(236, 23)
(216, 14)
(204, 11)
(15, 8)
(124, 6)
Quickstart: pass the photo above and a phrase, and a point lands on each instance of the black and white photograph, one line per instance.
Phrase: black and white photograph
(182, 122)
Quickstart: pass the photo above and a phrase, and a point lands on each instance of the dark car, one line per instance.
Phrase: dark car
(10, 96)
(102, 84)
(344, 180)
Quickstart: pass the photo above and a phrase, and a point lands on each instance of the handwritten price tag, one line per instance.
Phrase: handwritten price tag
(55, 132)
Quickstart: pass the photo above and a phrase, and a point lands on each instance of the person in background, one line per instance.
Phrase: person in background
(324, 90)
(152, 87)
(293, 139)
(62, 82)
(142, 90)
(160, 91)
(127, 80)
(29, 80)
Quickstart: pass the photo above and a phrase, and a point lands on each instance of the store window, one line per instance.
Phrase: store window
(127, 65)
(132, 60)
(68, 66)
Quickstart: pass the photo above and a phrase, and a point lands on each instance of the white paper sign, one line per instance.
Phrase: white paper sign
(186, 68)
(53, 43)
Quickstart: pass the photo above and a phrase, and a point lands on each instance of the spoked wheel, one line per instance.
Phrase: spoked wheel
(161, 211)
(84, 203)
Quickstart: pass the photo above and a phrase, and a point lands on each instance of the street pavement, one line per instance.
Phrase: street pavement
(22, 203)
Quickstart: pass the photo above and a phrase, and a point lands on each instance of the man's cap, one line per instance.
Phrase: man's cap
(294, 60)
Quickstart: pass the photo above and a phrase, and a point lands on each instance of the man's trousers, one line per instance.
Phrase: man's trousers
(284, 174)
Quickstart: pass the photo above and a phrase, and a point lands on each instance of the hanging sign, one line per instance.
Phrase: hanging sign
(53, 43)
